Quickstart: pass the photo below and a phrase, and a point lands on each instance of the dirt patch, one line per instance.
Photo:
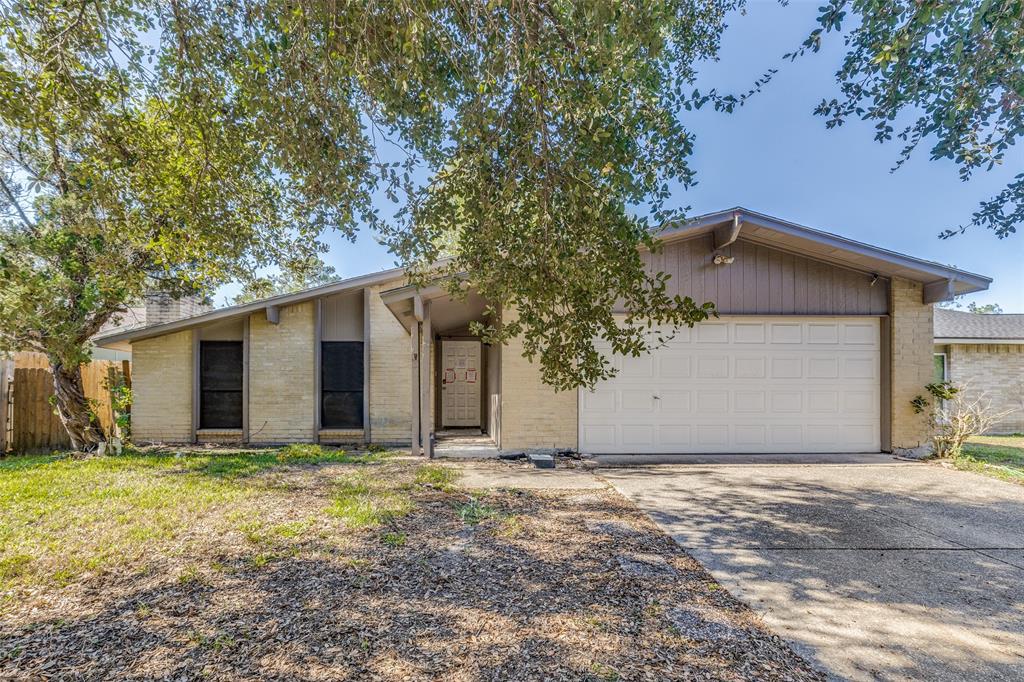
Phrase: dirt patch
(506, 585)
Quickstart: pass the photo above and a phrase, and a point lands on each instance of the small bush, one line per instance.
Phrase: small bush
(954, 415)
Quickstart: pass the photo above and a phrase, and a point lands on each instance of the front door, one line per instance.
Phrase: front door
(460, 383)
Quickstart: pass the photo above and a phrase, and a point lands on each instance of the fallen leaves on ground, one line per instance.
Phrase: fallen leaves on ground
(553, 585)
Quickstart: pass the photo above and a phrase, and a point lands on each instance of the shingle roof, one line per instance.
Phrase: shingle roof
(956, 324)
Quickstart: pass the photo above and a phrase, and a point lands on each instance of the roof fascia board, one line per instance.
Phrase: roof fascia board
(979, 282)
(249, 308)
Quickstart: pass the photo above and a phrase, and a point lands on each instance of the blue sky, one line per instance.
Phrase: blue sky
(773, 156)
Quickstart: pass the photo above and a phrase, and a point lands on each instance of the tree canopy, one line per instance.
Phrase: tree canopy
(956, 67)
(179, 145)
(295, 275)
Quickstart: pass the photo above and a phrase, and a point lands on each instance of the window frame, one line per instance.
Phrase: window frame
(205, 393)
(355, 391)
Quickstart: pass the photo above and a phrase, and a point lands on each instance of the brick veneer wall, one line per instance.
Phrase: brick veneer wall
(912, 334)
(162, 388)
(997, 370)
(390, 373)
(533, 415)
(282, 396)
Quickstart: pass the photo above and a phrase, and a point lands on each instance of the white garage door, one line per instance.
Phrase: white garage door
(743, 385)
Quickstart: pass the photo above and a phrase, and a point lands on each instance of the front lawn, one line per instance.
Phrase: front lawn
(317, 564)
(998, 456)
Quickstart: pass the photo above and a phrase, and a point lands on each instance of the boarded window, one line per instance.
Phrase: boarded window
(220, 384)
(341, 399)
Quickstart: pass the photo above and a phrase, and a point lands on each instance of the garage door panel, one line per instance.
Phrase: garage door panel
(823, 402)
(712, 332)
(632, 400)
(712, 401)
(787, 367)
(861, 334)
(749, 332)
(753, 367)
(674, 366)
(675, 402)
(819, 333)
(713, 367)
(744, 385)
(787, 333)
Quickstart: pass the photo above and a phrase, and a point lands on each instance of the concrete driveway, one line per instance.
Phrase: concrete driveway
(878, 571)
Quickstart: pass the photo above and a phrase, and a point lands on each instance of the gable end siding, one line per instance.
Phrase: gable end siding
(766, 281)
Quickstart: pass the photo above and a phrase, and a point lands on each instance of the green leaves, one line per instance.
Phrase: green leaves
(182, 145)
(957, 66)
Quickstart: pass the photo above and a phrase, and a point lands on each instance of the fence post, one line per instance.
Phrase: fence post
(6, 372)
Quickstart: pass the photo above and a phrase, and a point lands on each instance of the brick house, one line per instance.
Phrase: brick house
(821, 345)
(984, 353)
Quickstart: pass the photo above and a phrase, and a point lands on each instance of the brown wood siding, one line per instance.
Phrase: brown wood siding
(767, 281)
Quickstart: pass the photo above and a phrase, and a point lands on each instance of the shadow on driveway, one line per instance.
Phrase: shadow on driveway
(888, 571)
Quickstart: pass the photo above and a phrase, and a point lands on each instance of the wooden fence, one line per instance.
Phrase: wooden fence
(31, 420)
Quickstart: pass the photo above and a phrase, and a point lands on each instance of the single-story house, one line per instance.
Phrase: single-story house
(984, 353)
(821, 345)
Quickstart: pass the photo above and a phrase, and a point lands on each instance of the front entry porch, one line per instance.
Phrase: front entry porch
(464, 443)
(456, 397)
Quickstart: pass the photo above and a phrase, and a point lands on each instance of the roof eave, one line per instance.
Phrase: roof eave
(963, 281)
(114, 339)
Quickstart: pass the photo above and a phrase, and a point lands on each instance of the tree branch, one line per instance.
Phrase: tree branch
(17, 207)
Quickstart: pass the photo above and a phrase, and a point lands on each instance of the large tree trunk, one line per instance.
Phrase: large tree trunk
(73, 407)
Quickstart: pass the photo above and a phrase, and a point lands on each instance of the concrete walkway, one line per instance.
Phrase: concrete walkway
(874, 571)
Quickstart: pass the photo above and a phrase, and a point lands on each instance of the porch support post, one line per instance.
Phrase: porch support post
(425, 421)
(196, 396)
(414, 339)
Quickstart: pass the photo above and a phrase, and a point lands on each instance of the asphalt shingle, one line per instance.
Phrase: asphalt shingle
(956, 324)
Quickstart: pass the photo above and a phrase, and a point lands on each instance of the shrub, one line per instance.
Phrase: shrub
(954, 415)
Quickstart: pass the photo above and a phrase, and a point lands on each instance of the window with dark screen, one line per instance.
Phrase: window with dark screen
(220, 384)
(341, 385)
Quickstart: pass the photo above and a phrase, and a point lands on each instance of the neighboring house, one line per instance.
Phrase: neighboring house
(984, 353)
(821, 345)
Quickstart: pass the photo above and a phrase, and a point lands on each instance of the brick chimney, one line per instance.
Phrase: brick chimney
(162, 307)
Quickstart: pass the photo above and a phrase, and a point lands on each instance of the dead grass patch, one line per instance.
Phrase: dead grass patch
(381, 571)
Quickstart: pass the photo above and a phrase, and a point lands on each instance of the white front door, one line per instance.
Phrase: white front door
(744, 385)
(460, 383)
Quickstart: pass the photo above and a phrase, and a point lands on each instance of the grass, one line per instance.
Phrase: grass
(437, 476)
(1001, 457)
(475, 511)
(362, 501)
(63, 517)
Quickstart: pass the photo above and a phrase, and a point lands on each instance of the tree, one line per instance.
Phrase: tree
(295, 276)
(124, 166)
(188, 143)
(973, 307)
(957, 66)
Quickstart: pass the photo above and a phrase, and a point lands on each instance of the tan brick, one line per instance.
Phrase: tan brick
(997, 371)
(533, 414)
(911, 331)
(390, 373)
(162, 389)
(282, 382)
